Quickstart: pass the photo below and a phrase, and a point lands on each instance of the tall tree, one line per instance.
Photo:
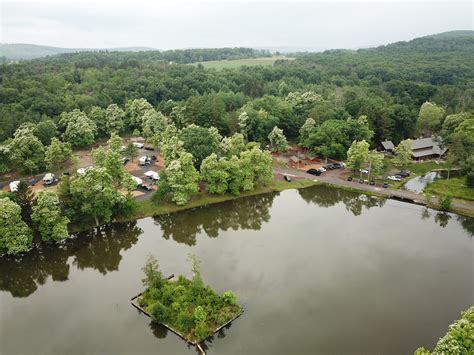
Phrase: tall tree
(57, 153)
(26, 151)
(182, 178)
(80, 129)
(135, 110)
(430, 118)
(278, 140)
(357, 155)
(47, 217)
(25, 198)
(15, 236)
(403, 153)
(214, 174)
(199, 141)
(376, 163)
(115, 119)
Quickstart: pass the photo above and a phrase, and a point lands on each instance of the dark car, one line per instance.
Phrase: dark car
(314, 172)
(146, 187)
(349, 178)
(148, 147)
(403, 173)
(337, 165)
(361, 181)
(125, 161)
(372, 182)
(153, 157)
(287, 178)
(330, 166)
(385, 184)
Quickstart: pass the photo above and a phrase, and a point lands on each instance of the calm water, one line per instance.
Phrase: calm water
(319, 271)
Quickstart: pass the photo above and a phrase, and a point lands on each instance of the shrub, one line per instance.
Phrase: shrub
(470, 179)
(229, 297)
(445, 203)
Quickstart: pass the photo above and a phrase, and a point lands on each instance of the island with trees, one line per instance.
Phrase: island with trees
(186, 306)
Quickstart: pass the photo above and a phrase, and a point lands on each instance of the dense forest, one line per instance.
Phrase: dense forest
(388, 84)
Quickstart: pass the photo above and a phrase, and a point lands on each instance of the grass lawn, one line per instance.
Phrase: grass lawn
(221, 64)
(425, 167)
(454, 187)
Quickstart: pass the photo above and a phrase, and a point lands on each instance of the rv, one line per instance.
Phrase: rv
(48, 179)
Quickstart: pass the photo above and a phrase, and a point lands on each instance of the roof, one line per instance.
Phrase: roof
(152, 174)
(388, 145)
(423, 143)
(48, 176)
(137, 180)
(436, 150)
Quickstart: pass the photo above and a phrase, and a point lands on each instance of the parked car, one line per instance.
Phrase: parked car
(146, 187)
(48, 179)
(14, 186)
(364, 171)
(323, 170)
(125, 160)
(372, 182)
(287, 178)
(314, 172)
(393, 178)
(338, 165)
(403, 173)
(145, 160)
(32, 182)
(361, 181)
(138, 145)
(149, 147)
(385, 184)
(349, 178)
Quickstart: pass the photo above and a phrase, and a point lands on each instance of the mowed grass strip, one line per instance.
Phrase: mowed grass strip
(221, 64)
(454, 187)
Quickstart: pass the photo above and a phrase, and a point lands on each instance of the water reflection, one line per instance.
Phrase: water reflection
(354, 202)
(100, 250)
(246, 213)
(443, 218)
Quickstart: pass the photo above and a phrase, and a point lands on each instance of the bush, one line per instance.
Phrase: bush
(470, 179)
(445, 203)
(159, 312)
(458, 340)
(229, 297)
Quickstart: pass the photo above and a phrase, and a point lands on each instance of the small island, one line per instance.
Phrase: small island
(186, 307)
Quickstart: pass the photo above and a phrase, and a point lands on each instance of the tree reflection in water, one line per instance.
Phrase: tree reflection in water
(245, 213)
(100, 250)
(327, 197)
(443, 218)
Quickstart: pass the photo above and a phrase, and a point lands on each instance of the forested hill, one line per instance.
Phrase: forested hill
(23, 51)
(387, 84)
(120, 56)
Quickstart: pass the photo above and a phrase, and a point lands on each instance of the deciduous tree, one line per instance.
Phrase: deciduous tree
(15, 236)
(182, 178)
(47, 217)
(403, 152)
(278, 140)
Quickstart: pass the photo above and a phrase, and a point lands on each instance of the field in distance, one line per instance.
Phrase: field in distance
(220, 64)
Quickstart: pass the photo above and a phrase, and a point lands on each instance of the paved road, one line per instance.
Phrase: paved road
(397, 194)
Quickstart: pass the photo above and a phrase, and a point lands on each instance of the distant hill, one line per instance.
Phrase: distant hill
(21, 51)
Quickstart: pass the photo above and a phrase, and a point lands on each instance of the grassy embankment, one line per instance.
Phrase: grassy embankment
(454, 187)
(148, 208)
(221, 64)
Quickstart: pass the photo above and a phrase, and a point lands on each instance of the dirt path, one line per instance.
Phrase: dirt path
(396, 194)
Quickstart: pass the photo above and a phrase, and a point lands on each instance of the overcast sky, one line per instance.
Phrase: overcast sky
(183, 24)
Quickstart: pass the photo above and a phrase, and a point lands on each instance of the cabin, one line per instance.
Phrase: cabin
(427, 148)
(388, 146)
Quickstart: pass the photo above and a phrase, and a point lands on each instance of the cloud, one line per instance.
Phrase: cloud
(182, 24)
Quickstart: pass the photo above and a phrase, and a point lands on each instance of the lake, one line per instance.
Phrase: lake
(318, 271)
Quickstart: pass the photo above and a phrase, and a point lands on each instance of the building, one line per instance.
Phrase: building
(426, 148)
(388, 146)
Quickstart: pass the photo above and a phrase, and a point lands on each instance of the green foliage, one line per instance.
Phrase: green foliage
(153, 123)
(47, 217)
(430, 118)
(357, 155)
(186, 305)
(233, 145)
(403, 152)
(135, 110)
(199, 141)
(182, 178)
(278, 140)
(214, 174)
(114, 119)
(92, 195)
(26, 150)
(57, 153)
(80, 129)
(15, 236)
(458, 340)
(445, 203)
(376, 163)
(25, 198)
(45, 131)
(131, 151)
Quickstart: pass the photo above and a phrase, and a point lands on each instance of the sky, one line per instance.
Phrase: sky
(171, 24)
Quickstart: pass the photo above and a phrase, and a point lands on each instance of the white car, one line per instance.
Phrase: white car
(138, 145)
(152, 175)
(321, 169)
(48, 179)
(364, 171)
(14, 186)
(393, 178)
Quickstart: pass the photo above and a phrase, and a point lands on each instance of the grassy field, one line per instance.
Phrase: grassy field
(221, 64)
(454, 187)
(425, 167)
